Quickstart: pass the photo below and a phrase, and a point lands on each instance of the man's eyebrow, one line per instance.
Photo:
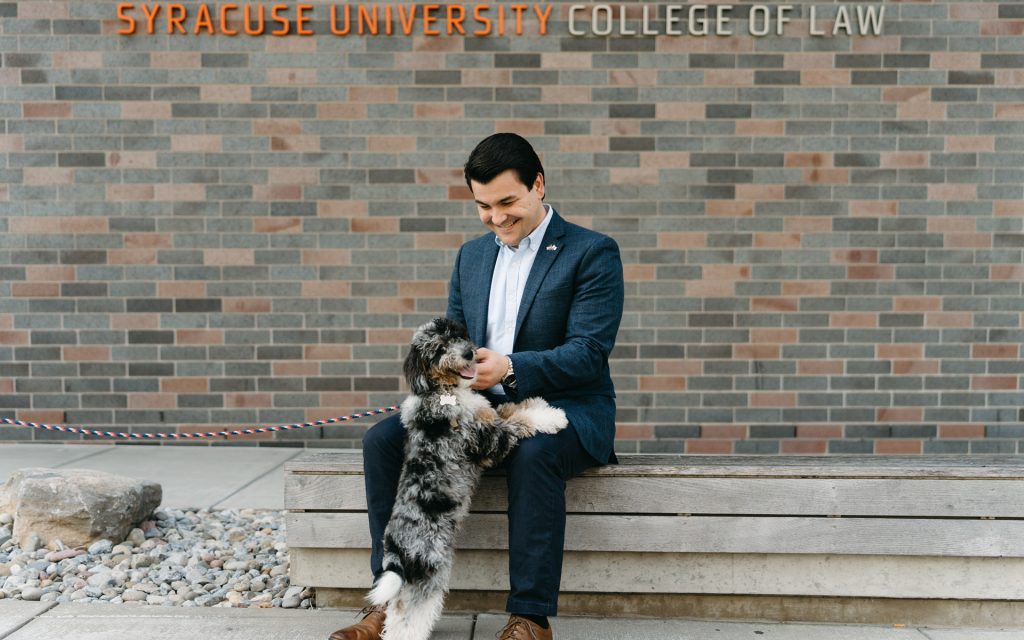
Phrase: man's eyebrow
(509, 198)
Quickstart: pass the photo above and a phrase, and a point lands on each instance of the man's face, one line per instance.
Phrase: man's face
(508, 208)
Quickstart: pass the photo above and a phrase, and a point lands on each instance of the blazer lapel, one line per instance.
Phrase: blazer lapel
(548, 251)
(476, 309)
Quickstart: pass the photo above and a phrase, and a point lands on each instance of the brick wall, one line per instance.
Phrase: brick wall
(822, 236)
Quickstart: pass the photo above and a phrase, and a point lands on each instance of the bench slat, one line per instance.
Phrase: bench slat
(924, 467)
(734, 496)
(758, 574)
(712, 534)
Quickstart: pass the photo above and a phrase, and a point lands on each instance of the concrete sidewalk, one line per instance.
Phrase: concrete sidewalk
(191, 476)
(36, 621)
(241, 477)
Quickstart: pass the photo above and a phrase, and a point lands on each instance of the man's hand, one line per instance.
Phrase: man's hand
(491, 367)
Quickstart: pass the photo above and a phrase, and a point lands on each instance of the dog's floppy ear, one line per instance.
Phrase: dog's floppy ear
(415, 369)
(417, 364)
(453, 328)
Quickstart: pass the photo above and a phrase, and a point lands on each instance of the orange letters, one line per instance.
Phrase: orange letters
(415, 18)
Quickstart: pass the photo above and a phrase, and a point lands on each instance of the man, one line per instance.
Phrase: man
(545, 299)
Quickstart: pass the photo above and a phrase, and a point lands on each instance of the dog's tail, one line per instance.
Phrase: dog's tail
(386, 588)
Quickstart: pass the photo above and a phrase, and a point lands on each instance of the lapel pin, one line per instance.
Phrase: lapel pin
(551, 247)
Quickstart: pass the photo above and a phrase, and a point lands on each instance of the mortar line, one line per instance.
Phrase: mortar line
(50, 607)
(102, 449)
(298, 451)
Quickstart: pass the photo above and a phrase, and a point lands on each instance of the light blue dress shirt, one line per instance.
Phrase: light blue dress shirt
(511, 270)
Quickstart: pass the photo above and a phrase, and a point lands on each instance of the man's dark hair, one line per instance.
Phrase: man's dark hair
(499, 153)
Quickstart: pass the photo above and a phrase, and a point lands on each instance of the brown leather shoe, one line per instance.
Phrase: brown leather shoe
(368, 628)
(523, 629)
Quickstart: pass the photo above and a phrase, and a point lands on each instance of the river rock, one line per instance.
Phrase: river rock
(136, 537)
(31, 593)
(57, 556)
(133, 595)
(177, 573)
(78, 506)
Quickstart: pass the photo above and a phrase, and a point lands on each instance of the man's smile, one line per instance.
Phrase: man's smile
(508, 207)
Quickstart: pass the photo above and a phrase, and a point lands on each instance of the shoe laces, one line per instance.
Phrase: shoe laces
(373, 608)
(513, 628)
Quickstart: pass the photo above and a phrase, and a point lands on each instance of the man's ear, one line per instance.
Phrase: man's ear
(538, 184)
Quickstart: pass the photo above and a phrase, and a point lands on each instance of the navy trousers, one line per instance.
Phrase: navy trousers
(536, 470)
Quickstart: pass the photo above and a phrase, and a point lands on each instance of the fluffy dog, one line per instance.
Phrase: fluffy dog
(453, 434)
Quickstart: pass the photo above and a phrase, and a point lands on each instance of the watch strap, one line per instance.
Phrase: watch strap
(509, 380)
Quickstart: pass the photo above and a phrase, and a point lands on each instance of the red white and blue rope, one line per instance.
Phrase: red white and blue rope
(195, 435)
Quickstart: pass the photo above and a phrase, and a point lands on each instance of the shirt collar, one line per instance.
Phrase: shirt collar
(532, 241)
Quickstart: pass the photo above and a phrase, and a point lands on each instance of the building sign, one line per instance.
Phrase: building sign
(481, 20)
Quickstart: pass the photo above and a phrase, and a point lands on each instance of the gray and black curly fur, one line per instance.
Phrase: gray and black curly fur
(453, 434)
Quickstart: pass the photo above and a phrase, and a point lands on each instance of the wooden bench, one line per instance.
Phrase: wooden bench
(870, 539)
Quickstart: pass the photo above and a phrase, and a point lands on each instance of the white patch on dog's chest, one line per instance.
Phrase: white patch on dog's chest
(467, 404)
(470, 402)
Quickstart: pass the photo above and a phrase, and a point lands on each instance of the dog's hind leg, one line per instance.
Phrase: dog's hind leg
(412, 615)
(424, 616)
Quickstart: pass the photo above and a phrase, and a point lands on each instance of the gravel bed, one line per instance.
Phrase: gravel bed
(202, 558)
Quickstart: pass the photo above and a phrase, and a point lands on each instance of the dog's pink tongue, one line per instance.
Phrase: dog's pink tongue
(468, 372)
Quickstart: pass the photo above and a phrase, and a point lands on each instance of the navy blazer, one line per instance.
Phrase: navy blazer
(566, 327)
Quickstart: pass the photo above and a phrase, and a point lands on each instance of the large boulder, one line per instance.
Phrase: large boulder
(76, 506)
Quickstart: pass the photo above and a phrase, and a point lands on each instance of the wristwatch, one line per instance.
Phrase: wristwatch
(510, 376)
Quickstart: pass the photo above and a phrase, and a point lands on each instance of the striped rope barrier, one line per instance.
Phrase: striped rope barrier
(194, 435)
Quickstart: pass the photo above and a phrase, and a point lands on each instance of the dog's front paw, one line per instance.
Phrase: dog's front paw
(534, 415)
(548, 419)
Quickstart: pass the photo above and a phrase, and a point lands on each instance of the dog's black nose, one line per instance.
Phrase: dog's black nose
(468, 354)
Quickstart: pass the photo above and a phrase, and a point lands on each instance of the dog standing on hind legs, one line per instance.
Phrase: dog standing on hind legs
(452, 435)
